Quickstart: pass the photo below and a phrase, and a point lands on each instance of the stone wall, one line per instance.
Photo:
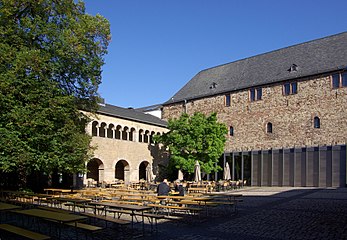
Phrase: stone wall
(110, 150)
(291, 116)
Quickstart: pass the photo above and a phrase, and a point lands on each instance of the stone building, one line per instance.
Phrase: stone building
(124, 148)
(285, 110)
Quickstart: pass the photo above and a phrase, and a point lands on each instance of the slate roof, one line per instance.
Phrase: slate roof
(150, 108)
(311, 58)
(130, 114)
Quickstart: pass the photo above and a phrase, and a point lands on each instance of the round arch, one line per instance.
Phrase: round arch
(95, 128)
(102, 129)
(118, 132)
(142, 170)
(122, 171)
(95, 169)
(110, 131)
(141, 135)
(125, 133)
(131, 134)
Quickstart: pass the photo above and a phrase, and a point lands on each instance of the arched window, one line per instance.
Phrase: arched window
(151, 137)
(125, 133)
(269, 127)
(102, 130)
(110, 131)
(94, 128)
(316, 122)
(131, 134)
(231, 131)
(117, 132)
(141, 135)
(146, 136)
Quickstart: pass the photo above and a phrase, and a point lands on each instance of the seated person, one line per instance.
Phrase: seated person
(163, 188)
(179, 188)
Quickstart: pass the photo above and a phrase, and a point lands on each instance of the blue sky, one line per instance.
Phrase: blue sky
(159, 45)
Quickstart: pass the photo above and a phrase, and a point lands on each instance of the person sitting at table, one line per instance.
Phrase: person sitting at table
(179, 188)
(163, 188)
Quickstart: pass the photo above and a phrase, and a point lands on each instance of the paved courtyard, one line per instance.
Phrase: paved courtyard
(265, 213)
(271, 213)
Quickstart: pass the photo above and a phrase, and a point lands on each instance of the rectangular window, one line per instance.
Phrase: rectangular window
(290, 88)
(252, 94)
(339, 80)
(259, 93)
(286, 89)
(231, 131)
(227, 100)
(294, 87)
(344, 79)
(336, 80)
(255, 94)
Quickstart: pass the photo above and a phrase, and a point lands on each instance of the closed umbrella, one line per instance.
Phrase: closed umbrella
(197, 172)
(149, 173)
(180, 175)
(226, 172)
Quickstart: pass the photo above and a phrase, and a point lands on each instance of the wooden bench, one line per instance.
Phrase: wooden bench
(123, 202)
(119, 212)
(152, 218)
(117, 221)
(199, 203)
(174, 207)
(85, 227)
(86, 206)
(23, 232)
(197, 190)
(20, 203)
(54, 209)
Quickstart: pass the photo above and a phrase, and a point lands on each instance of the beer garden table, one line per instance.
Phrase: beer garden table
(61, 218)
(130, 207)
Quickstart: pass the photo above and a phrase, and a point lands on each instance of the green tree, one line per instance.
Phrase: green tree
(51, 54)
(196, 137)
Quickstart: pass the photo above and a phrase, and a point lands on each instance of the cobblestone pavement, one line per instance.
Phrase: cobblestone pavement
(272, 213)
(265, 213)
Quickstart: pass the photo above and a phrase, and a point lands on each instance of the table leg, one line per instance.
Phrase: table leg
(143, 224)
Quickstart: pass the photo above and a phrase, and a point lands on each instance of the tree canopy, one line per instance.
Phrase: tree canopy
(51, 54)
(195, 138)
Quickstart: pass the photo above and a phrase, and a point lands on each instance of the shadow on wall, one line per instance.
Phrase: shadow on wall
(160, 157)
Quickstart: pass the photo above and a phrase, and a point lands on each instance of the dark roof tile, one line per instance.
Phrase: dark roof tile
(130, 114)
(311, 58)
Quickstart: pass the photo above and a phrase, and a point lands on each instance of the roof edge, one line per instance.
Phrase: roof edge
(133, 119)
(327, 71)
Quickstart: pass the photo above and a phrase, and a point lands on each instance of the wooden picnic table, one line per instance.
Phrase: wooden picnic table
(61, 218)
(129, 207)
(198, 190)
(4, 207)
(57, 190)
(37, 196)
(172, 197)
(7, 206)
(173, 207)
(74, 201)
(228, 195)
(232, 198)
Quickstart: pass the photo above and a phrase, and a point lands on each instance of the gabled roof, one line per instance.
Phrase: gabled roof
(130, 114)
(306, 59)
